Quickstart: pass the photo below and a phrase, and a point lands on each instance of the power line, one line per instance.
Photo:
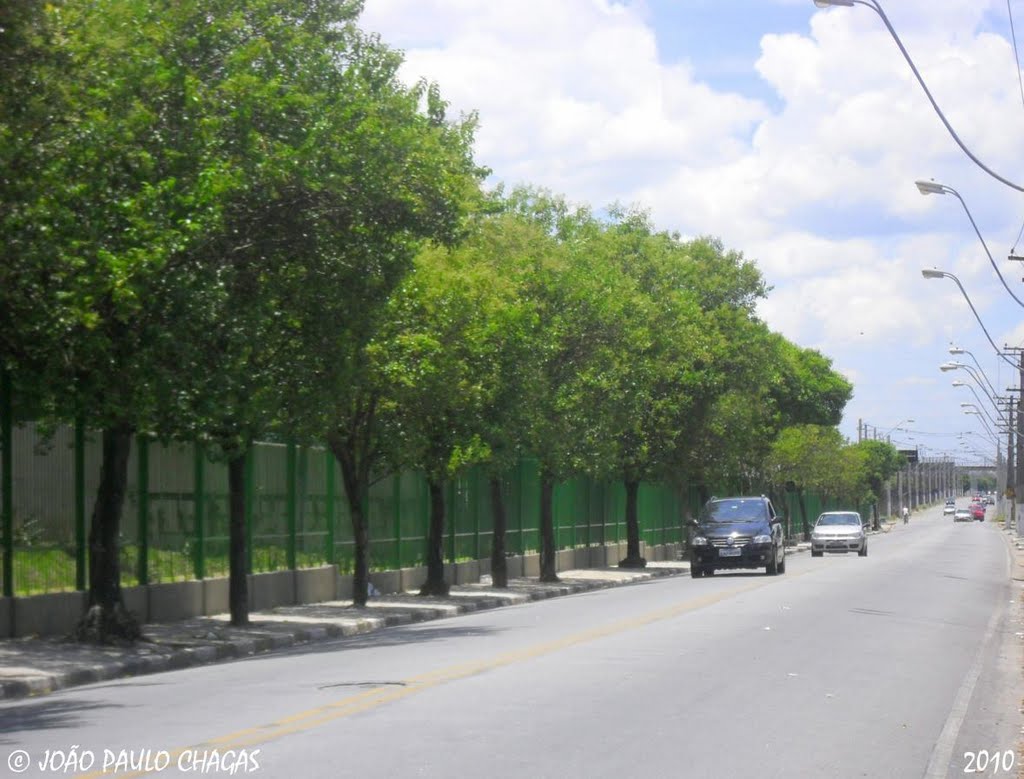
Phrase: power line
(1020, 82)
(1016, 57)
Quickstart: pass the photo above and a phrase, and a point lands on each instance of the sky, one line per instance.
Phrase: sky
(795, 135)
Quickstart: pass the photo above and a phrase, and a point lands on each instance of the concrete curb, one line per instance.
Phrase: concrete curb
(1016, 547)
(33, 667)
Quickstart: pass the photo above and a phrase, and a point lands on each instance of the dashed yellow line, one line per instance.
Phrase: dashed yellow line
(378, 696)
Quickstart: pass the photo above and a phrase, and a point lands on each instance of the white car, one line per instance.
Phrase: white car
(839, 531)
(950, 508)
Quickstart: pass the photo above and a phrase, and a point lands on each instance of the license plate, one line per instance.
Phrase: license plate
(734, 552)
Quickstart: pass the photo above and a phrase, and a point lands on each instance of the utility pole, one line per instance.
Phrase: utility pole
(1008, 492)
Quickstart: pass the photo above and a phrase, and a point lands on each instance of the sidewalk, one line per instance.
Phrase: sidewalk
(36, 666)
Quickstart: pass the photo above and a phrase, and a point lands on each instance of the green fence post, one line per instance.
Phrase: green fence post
(522, 504)
(81, 561)
(292, 503)
(250, 497)
(450, 500)
(7, 480)
(199, 501)
(556, 517)
(143, 480)
(329, 465)
(396, 513)
(477, 474)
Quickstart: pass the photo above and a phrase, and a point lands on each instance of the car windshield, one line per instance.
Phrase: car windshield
(734, 511)
(839, 519)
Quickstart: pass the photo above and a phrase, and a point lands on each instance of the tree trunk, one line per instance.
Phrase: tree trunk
(876, 489)
(238, 581)
(803, 515)
(548, 567)
(633, 558)
(499, 563)
(357, 488)
(435, 583)
(106, 619)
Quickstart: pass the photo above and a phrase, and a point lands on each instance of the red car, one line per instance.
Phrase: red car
(978, 511)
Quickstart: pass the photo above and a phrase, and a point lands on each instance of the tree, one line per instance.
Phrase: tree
(217, 172)
(406, 175)
(809, 458)
(581, 303)
(503, 247)
(99, 198)
(438, 361)
(672, 372)
(773, 384)
(309, 243)
(878, 461)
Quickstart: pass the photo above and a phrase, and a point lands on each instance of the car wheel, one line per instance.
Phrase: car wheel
(782, 565)
(696, 571)
(816, 554)
(772, 569)
(709, 571)
(863, 551)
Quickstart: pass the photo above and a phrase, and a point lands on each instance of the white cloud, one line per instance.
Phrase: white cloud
(813, 178)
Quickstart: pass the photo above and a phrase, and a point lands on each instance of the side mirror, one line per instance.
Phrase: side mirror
(693, 523)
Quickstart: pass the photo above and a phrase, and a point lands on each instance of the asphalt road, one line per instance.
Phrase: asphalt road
(906, 663)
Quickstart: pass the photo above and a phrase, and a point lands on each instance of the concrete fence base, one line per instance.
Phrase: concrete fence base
(55, 614)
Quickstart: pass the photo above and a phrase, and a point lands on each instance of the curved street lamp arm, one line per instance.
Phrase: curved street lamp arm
(985, 246)
(980, 403)
(906, 55)
(980, 323)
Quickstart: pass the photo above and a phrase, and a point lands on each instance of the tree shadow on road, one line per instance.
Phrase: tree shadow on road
(46, 714)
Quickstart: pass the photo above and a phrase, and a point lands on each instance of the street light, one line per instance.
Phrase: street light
(932, 273)
(957, 350)
(992, 436)
(877, 8)
(952, 366)
(885, 435)
(980, 410)
(933, 188)
(999, 411)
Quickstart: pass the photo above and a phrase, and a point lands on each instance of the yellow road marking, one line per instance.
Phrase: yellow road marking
(370, 699)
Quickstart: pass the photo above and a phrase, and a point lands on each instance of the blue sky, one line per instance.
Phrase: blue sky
(793, 133)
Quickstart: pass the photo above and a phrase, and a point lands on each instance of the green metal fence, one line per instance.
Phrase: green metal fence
(175, 520)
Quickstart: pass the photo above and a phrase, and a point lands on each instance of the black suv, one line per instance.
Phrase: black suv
(737, 533)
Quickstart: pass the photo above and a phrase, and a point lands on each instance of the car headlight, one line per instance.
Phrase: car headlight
(699, 541)
(762, 539)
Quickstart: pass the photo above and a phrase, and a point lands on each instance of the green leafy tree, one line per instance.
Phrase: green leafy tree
(809, 458)
(581, 302)
(439, 363)
(504, 247)
(879, 461)
(411, 178)
(672, 373)
(336, 172)
(94, 225)
(774, 384)
(212, 175)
